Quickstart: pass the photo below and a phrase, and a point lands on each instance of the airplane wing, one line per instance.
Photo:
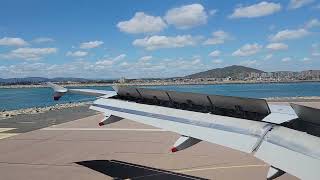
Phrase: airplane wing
(286, 137)
(60, 91)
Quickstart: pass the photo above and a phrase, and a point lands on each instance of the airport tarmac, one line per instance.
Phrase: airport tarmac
(79, 149)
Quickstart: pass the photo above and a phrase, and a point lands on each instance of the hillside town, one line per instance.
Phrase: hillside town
(230, 74)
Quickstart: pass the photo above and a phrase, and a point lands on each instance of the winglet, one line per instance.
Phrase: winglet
(59, 91)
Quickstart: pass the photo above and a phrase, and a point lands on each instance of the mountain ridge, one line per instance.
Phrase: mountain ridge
(230, 71)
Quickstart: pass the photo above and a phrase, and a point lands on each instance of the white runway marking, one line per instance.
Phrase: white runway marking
(220, 167)
(3, 133)
(102, 129)
(6, 129)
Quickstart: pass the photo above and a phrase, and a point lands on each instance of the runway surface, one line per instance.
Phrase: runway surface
(80, 149)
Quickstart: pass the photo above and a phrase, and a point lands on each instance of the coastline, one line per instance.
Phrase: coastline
(155, 83)
(40, 110)
(60, 107)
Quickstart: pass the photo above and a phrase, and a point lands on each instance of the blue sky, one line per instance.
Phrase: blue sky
(110, 39)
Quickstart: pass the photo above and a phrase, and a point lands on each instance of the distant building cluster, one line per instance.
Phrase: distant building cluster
(280, 76)
(283, 76)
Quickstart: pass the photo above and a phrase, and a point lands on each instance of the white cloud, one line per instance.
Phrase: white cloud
(77, 53)
(215, 53)
(145, 58)
(315, 49)
(277, 46)
(124, 64)
(256, 10)
(157, 42)
(106, 68)
(110, 61)
(12, 41)
(268, 56)
(120, 57)
(288, 34)
(91, 44)
(305, 59)
(218, 37)
(43, 40)
(187, 16)
(196, 61)
(313, 23)
(249, 63)
(142, 23)
(217, 61)
(294, 4)
(29, 53)
(247, 50)
(286, 59)
(213, 12)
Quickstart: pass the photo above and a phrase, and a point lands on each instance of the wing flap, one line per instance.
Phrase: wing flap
(59, 91)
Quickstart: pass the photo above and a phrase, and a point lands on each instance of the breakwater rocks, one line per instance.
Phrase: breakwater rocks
(37, 110)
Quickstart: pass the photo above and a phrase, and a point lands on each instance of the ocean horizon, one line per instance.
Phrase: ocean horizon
(20, 98)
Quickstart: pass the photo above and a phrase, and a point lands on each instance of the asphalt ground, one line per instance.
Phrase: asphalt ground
(29, 122)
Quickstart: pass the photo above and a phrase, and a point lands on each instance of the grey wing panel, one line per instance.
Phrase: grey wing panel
(152, 94)
(292, 151)
(246, 104)
(307, 113)
(259, 106)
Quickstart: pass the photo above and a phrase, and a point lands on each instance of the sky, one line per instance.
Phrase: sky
(149, 39)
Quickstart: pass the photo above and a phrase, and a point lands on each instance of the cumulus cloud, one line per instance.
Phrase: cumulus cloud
(91, 44)
(217, 61)
(12, 41)
(29, 53)
(305, 59)
(247, 50)
(256, 10)
(110, 61)
(157, 42)
(145, 58)
(106, 68)
(213, 12)
(268, 56)
(43, 40)
(277, 46)
(77, 53)
(288, 34)
(315, 49)
(249, 63)
(295, 4)
(286, 59)
(215, 53)
(313, 23)
(187, 16)
(218, 37)
(142, 23)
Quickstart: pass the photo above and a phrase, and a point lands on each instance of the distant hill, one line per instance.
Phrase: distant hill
(232, 71)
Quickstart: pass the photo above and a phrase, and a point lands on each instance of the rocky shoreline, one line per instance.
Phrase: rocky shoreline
(39, 110)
